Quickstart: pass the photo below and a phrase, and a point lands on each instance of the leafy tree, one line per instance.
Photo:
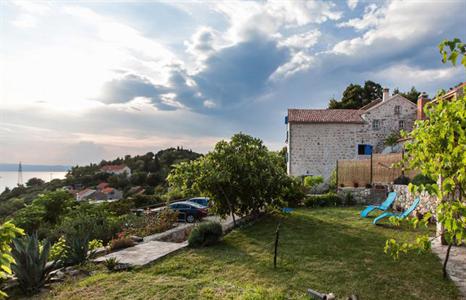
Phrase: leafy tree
(34, 181)
(8, 232)
(437, 149)
(55, 204)
(356, 96)
(412, 95)
(240, 176)
(29, 218)
(453, 49)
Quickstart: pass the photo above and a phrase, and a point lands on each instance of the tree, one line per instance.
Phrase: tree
(34, 181)
(412, 95)
(453, 49)
(54, 204)
(356, 96)
(241, 176)
(437, 149)
(8, 232)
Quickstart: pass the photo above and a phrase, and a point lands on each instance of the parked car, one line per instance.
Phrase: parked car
(204, 201)
(189, 211)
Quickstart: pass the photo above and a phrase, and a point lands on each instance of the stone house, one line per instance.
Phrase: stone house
(317, 138)
(116, 170)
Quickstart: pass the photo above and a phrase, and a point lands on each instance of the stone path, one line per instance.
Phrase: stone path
(144, 253)
(152, 248)
(456, 266)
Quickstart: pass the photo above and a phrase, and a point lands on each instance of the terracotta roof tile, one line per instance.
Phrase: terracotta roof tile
(110, 168)
(325, 116)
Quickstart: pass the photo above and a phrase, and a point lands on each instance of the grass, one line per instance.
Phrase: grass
(327, 249)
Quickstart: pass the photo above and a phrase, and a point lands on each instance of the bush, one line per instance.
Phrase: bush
(111, 263)
(58, 250)
(311, 181)
(402, 180)
(422, 179)
(205, 234)
(294, 192)
(30, 266)
(8, 232)
(77, 248)
(349, 199)
(121, 242)
(329, 199)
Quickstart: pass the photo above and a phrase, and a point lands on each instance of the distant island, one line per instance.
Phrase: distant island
(33, 168)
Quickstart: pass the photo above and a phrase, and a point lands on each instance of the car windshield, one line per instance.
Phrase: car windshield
(196, 205)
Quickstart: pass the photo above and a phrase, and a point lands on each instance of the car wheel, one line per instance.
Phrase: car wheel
(190, 218)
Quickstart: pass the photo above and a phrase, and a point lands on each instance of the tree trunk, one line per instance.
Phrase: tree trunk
(447, 256)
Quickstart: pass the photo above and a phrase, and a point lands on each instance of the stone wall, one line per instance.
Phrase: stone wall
(404, 200)
(364, 195)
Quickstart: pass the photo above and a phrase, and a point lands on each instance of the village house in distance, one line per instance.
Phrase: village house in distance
(116, 170)
(317, 138)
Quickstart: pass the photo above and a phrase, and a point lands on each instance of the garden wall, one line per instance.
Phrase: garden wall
(364, 195)
(405, 198)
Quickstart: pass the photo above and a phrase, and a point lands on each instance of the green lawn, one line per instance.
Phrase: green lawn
(327, 249)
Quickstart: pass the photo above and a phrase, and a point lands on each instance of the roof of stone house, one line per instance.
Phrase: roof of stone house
(325, 116)
(85, 192)
(371, 104)
(102, 185)
(110, 168)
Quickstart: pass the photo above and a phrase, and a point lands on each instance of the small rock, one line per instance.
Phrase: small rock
(74, 273)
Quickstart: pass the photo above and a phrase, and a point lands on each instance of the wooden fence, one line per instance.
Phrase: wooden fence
(376, 169)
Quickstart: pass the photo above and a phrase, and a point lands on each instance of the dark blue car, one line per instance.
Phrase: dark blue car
(189, 211)
(204, 201)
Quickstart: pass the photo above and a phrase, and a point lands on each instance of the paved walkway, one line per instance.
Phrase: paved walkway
(151, 250)
(456, 266)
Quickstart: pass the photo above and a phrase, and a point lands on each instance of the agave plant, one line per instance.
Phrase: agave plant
(31, 266)
(77, 249)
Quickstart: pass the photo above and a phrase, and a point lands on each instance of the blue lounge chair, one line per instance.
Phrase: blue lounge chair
(384, 206)
(400, 216)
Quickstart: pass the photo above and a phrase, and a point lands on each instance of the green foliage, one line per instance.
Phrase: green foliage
(30, 266)
(312, 181)
(412, 95)
(95, 244)
(8, 232)
(9, 206)
(240, 176)
(293, 192)
(421, 179)
(34, 181)
(437, 148)
(111, 263)
(77, 246)
(205, 234)
(453, 49)
(356, 96)
(29, 218)
(58, 249)
(332, 184)
(329, 199)
(55, 204)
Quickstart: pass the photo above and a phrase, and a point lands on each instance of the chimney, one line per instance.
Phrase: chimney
(421, 102)
(386, 94)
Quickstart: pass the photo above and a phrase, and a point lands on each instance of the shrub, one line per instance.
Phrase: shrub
(311, 181)
(349, 199)
(30, 266)
(294, 192)
(329, 199)
(121, 242)
(8, 232)
(77, 248)
(402, 180)
(422, 179)
(95, 244)
(58, 250)
(111, 263)
(205, 234)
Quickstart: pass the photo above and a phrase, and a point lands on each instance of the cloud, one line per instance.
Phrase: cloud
(302, 40)
(372, 16)
(352, 4)
(401, 25)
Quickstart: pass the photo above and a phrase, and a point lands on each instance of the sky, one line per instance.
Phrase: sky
(82, 81)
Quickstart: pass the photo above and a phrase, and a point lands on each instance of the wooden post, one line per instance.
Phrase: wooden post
(371, 181)
(337, 178)
(277, 232)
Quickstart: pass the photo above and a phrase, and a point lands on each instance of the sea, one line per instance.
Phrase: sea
(10, 178)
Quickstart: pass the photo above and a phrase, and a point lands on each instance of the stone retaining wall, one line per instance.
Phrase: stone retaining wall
(405, 198)
(362, 195)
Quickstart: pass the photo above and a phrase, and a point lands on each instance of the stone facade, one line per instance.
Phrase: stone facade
(404, 200)
(314, 147)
